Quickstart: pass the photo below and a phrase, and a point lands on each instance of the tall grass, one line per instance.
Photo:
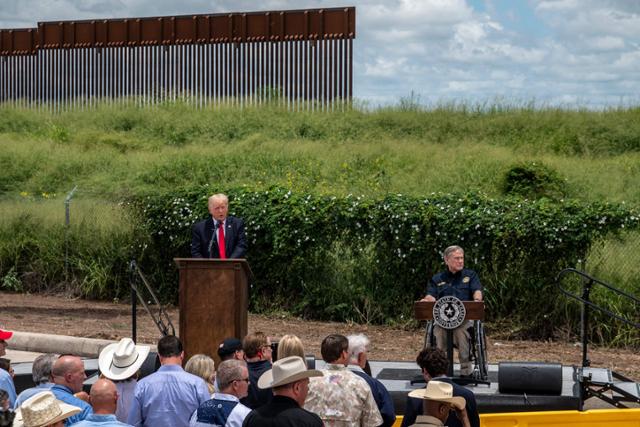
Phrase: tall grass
(88, 257)
(116, 150)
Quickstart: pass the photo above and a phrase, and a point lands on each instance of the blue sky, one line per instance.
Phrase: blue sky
(583, 53)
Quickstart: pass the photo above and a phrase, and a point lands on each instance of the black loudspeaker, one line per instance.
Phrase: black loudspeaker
(310, 360)
(530, 377)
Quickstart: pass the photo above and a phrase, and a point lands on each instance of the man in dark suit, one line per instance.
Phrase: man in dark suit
(220, 236)
(434, 365)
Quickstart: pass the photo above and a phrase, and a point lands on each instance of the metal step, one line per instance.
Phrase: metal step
(598, 376)
(631, 388)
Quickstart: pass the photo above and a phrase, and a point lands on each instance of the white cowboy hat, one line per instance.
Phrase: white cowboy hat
(119, 361)
(43, 409)
(285, 371)
(440, 392)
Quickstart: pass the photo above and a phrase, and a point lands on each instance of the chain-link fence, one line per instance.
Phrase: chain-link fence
(78, 242)
(616, 261)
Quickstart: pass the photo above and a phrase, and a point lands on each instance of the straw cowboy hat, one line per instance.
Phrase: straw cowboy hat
(43, 409)
(440, 392)
(119, 361)
(286, 371)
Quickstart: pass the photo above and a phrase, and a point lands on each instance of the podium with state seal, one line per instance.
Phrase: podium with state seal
(449, 313)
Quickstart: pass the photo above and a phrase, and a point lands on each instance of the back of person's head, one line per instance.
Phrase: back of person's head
(202, 366)
(169, 346)
(41, 368)
(253, 343)
(104, 396)
(4, 400)
(333, 346)
(357, 344)
(229, 371)
(6, 414)
(230, 348)
(290, 345)
(434, 361)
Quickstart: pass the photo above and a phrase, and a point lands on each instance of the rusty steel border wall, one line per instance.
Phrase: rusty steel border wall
(299, 58)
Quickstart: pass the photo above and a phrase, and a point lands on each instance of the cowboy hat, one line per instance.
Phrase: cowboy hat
(440, 392)
(121, 360)
(286, 371)
(43, 409)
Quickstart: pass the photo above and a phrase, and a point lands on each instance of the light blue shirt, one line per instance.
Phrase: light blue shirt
(167, 398)
(126, 390)
(101, 420)
(65, 394)
(30, 392)
(6, 384)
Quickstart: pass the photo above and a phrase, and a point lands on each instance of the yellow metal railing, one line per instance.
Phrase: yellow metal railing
(593, 418)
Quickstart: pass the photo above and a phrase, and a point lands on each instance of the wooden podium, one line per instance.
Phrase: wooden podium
(423, 310)
(214, 302)
(474, 310)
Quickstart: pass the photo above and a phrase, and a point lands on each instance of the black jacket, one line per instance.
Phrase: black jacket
(282, 412)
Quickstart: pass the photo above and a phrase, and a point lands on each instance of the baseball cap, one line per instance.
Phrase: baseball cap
(229, 346)
(5, 335)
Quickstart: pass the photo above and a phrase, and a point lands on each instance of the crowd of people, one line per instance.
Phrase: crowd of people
(248, 388)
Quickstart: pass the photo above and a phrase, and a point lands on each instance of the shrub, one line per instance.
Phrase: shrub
(358, 258)
(533, 180)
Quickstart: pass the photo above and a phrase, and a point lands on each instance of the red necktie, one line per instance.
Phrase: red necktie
(223, 254)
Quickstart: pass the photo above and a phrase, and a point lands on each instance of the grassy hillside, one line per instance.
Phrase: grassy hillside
(117, 151)
(122, 149)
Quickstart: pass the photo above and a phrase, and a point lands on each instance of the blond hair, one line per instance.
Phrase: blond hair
(290, 345)
(204, 367)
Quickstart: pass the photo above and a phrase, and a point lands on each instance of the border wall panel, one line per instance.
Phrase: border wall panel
(303, 57)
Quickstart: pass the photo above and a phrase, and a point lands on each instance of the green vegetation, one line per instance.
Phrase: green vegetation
(368, 259)
(119, 150)
(483, 155)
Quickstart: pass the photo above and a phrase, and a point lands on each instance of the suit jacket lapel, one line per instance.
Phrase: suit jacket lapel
(208, 234)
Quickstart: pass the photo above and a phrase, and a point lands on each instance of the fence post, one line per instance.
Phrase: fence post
(67, 223)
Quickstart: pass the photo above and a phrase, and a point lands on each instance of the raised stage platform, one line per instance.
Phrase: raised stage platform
(397, 377)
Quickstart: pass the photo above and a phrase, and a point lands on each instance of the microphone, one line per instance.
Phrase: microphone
(213, 238)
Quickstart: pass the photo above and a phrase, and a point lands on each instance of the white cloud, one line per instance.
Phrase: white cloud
(606, 43)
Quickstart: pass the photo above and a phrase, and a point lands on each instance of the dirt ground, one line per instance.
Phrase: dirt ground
(98, 319)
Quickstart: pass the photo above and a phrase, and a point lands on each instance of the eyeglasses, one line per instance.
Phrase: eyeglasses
(243, 379)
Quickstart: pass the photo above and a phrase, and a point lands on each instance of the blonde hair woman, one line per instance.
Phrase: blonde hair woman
(290, 345)
(204, 367)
